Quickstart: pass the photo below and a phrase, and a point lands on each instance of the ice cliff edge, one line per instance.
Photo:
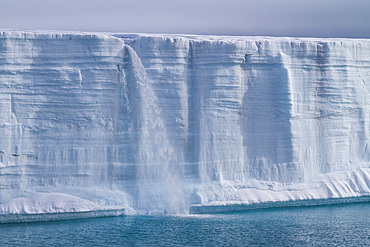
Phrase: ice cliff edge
(162, 122)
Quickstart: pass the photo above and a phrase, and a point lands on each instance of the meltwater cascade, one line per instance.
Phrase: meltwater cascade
(159, 185)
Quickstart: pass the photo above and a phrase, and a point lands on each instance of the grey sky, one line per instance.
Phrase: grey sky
(316, 18)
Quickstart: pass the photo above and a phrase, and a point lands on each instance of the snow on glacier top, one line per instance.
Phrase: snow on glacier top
(32, 34)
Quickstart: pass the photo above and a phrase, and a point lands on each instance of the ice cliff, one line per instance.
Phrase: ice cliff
(159, 123)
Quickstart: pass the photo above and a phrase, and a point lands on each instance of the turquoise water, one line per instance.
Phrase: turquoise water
(339, 225)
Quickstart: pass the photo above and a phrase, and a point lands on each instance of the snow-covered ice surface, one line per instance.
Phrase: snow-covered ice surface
(54, 206)
(41, 203)
(161, 123)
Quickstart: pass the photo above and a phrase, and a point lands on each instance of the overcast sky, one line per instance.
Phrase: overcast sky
(315, 18)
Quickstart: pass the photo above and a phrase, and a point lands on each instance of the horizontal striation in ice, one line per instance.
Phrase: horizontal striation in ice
(162, 122)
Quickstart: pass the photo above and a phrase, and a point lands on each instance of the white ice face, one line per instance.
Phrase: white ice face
(159, 122)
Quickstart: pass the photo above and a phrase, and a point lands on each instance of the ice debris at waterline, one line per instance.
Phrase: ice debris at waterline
(162, 123)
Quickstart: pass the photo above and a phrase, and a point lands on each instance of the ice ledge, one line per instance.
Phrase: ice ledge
(54, 206)
(331, 188)
(239, 206)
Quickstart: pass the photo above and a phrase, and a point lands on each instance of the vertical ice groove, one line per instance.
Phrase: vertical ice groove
(193, 128)
(17, 132)
(362, 98)
(286, 64)
(267, 111)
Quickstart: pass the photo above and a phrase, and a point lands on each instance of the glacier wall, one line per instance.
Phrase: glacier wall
(163, 122)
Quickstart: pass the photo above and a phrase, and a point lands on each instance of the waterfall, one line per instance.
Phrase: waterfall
(159, 187)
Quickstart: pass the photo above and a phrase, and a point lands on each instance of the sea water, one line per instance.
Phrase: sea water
(336, 225)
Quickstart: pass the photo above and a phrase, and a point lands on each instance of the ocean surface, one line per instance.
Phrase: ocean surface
(337, 225)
